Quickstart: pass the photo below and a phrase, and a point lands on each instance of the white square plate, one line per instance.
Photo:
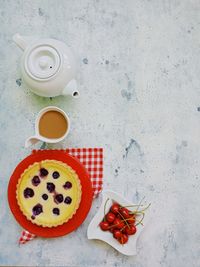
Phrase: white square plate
(94, 231)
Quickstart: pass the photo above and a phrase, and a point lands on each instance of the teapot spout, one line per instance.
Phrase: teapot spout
(20, 41)
(71, 89)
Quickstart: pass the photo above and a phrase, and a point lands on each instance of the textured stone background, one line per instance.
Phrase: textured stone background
(140, 95)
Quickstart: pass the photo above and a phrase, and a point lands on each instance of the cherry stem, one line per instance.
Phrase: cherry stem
(140, 203)
(117, 224)
(130, 206)
(123, 228)
(140, 211)
(124, 219)
(104, 218)
(146, 207)
(140, 222)
(112, 226)
(135, 212)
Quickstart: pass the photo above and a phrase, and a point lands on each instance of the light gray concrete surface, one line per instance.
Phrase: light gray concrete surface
(140, 99)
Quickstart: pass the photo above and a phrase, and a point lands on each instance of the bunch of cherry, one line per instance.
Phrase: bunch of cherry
(120, 221)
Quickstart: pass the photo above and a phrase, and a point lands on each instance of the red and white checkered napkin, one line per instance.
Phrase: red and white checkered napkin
(92, 159)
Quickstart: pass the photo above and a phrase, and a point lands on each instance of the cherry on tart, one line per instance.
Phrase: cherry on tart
(55, 175)
(59, 198)
(45, 196)
(28, 192)
(67, 185)
(36, 180)
(56, 211)
(41, 196)
(37, 209)
(68, 200)
(43, 172)
(50, 187)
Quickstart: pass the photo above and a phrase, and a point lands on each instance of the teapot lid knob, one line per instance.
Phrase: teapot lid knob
(43, 63)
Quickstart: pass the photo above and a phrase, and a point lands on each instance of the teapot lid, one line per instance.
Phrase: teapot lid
(42, 62)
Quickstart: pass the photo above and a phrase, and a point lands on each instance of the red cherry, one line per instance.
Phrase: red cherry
(123, 229)
(124, 212)
(115, 208)
(110, 217)
(118, 223)
(131, 230)
(131, 219)
(123, 239)
(117, 234)
(111, 229)
(118, 216)
(104, 226)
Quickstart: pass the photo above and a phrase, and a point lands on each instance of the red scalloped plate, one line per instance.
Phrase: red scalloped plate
(86, 199)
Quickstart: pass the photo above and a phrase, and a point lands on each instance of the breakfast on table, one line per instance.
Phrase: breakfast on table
(50, 192)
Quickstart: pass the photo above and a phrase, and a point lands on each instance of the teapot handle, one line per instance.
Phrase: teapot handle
(20, 41)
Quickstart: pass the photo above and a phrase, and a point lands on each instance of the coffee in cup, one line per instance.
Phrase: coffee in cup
(52, 125)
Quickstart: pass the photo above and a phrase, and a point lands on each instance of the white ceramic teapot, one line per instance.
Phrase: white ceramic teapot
(47, 66)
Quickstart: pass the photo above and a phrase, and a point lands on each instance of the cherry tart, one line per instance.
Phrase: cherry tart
(49, 193)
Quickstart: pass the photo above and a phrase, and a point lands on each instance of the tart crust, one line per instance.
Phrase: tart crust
(47, 218)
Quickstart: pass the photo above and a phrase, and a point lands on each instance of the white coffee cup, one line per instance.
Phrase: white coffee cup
(38, 137)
